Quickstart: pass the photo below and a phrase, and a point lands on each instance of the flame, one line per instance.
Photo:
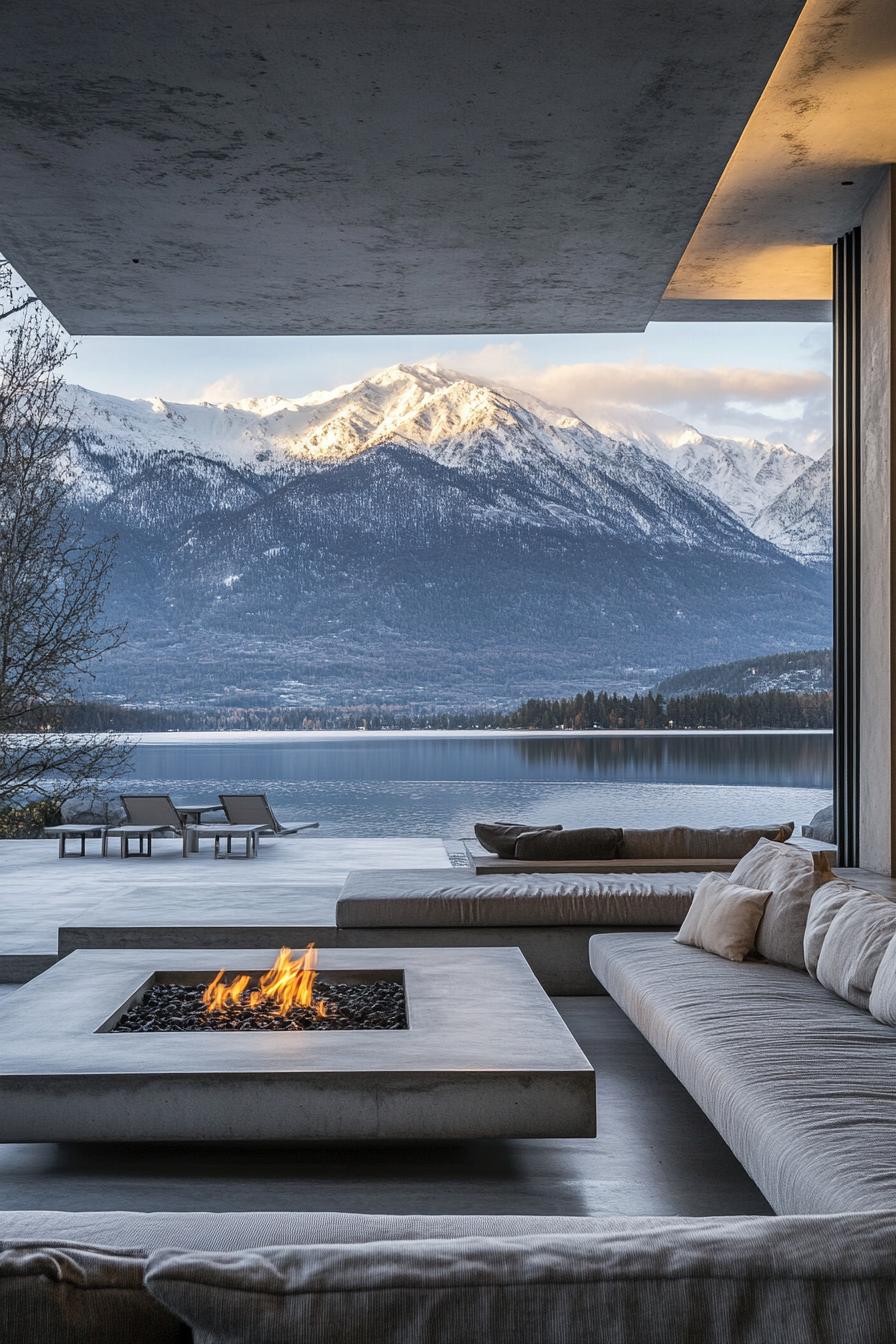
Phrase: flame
(289, 982)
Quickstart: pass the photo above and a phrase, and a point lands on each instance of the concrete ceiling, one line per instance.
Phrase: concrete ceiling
(807, 162)
(336, 166)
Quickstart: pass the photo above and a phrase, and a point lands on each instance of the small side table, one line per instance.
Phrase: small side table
(75, 830)
(191, 814)
(223, 830)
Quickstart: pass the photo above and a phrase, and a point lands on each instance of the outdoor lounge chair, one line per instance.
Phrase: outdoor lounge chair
(152, 809)
(253, 809)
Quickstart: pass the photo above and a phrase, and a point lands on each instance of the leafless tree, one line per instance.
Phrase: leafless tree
(53, 579)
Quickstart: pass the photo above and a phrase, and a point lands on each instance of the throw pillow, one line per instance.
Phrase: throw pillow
(500, 837)
(593, 842)
(793, 876)
(883, 990)
(689, 842)
(825, 904)
(65, 1293)
(723, 917)
(854, 946)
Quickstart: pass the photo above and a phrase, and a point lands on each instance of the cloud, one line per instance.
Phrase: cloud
(230, 387)
(785, 405)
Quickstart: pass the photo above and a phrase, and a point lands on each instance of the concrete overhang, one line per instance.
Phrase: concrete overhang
(339, 166)
(803, 170)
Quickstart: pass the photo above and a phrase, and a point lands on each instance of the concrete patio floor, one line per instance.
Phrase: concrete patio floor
(41, 892)
(656, 1153)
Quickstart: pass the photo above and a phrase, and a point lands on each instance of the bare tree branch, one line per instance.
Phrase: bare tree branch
(53, 579)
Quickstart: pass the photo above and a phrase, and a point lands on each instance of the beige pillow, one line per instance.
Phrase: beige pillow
(883, 989)
(854, 946)
(827, 902)
(723, 917)
(793, 876)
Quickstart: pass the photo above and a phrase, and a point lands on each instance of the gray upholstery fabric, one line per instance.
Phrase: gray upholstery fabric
(239, 1231)
(70, 1294)
(436, 897)
(855, 944)
(882, 1003)
(654, 1281)
(825, 903)
(723, 918)
(793, 877)
(799, 1084)
(687, 842)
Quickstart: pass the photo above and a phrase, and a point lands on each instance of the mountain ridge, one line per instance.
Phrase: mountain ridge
(419, 537)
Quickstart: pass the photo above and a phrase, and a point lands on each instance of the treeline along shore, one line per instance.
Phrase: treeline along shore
(579, 713)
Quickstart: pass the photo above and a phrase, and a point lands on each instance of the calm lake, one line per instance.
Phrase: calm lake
(368, 784)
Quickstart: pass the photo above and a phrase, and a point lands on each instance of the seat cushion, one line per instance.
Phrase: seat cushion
(427, 897)
(654, 1280)
(78, 1294)
(793, 876)
(798, 1082)
(141, 1232)
(592, 842)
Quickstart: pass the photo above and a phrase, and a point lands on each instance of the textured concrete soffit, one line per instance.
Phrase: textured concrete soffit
(326, 168)
(802, 171)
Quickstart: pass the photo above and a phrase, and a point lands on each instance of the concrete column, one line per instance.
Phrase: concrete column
(877, 708)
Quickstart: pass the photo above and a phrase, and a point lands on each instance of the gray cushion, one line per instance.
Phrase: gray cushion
(793, 876)
(651, 1280)
(236, 1231)
(72, 1294)
(798, 1083)
(500, 837)
(687, 842)
(882, 1002)
(592, 842)
(825, 904)
(427, 897)
(855, 944)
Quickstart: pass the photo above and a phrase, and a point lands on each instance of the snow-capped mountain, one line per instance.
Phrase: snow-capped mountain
(800, 519)
(417, 535)
(746, 474)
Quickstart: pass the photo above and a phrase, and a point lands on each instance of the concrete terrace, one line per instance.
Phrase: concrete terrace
(656, 1152)
(294, 881)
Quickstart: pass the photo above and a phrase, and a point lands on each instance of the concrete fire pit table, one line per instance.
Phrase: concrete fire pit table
(485, 1055)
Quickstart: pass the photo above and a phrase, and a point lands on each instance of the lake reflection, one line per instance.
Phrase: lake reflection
(365, 784)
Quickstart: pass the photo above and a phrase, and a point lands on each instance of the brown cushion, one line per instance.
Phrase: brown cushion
(500, 837)
(687, 842)
(592, 842)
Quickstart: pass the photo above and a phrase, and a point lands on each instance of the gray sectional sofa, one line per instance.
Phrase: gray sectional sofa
(346, 1278)
(800, 1084)
(549, 918)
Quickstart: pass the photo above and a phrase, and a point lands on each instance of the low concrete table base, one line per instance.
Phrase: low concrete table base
(485, 1055)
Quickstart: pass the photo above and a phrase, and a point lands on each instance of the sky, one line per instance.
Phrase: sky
(763, 380)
